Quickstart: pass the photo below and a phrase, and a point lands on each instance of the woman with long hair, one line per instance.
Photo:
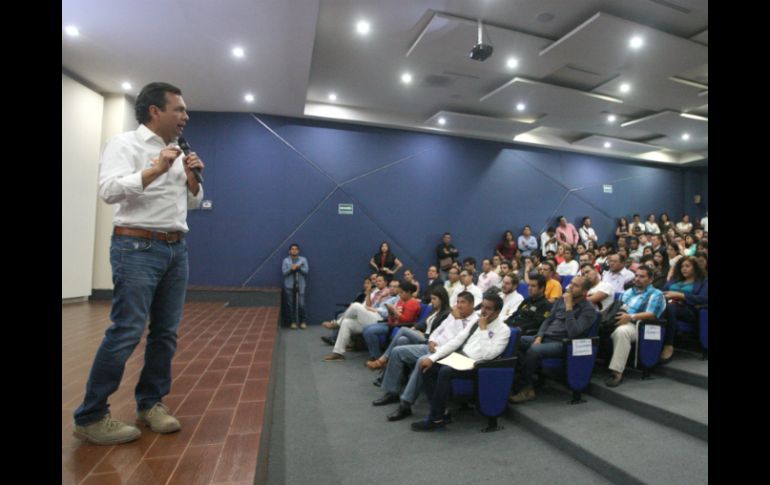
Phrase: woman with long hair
(385, 262)
(506, 249)
(439, 299)
(687, 290)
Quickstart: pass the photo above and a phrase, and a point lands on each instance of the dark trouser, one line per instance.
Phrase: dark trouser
(531, 358)
(677, 311)
(293, 317)
(438, 386)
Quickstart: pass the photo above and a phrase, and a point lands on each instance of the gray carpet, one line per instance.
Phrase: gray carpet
(325, 430)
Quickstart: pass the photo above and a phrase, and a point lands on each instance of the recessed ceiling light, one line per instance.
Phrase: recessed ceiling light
(625, 87)
(126, 85)
(238, 52)
(72, 31)
(442, 121)
(363, 27)
(521, 106)
(636, 42)
(332, 97)
(612, 118)
(686, 136)
(249, 98)
(406, 78)
(607, 144)
(512, 63)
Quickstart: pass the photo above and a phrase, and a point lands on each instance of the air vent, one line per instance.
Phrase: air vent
(672, 5)
(437, 81)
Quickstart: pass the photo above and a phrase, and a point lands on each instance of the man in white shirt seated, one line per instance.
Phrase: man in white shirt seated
(407, 355)
(466, 284)
(453, 281)
(617, 275)
(587, 232)
(569, 267)
(488, 278)
(600, 294)
(484, 341)
(511, 298)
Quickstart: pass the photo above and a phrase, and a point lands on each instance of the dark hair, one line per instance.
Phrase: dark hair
(585, 284)
(648, 270)
(441, 293)
(506, 233)
(583, 265)
(154, 94)
(434, 267)
(496, 300)
(514, 278)
(470, 260)
(407, 287)
(558, 219)
(539, 279)
(700, 275)
(636, 215)
(622, 219)
(384, 242)
(446, 234)
(294, 245)
(550, 229)
(584, 219)
(487, 260)
(467, 296)
(668, 219)
(550, 264)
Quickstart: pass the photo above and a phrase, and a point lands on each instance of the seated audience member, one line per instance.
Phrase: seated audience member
(658, 276)
(533, 310)
(385, 261)
(600, 295)
(369, 283)
(405, 356)
(569, 267)
(571, 317)
(656, 243)
(469, 265)
(690, 245)
(374, 295)
(629, 263)
(617, 275)
(420, 333)
(661, 258)
(588, 257)
(587, 233)
(409, 278)
(446, 254)
(517, 269)
(559, 256)
(496, 261)
(665, 223)
(527, 242)
(651, 227)
(685, 292)
(402, 312)
(454, 280)
(358, 316)
(647, 251)
(622, 230)
(553, 288)
(635, 251)
(506, 248)
(636, 228)
(511, 297)
(604, 251)
(488, 278)
(566, 232)
(548, 241)
(622, 244)
(466, 284)
(505, 268)
(485, 340)
(580, 248)
(642, 302)
(673, 256)
(684, 226)
(703, 260)
(433, 282)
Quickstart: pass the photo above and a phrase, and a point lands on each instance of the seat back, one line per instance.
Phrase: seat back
(425, 309)
(523, 289)
(565, 280)
(466, 388)
(651, 334)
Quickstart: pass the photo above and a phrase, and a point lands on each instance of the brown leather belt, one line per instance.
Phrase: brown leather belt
(170, 237)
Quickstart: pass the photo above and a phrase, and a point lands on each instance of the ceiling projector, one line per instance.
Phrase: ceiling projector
(481, 52)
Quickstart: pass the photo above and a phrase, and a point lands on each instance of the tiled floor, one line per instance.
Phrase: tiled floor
(221, 371)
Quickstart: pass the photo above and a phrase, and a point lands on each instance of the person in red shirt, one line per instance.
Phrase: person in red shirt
(406, 309)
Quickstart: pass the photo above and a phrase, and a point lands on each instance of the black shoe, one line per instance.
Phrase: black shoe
(403, 411)
(428, 425)
(447, 418)
(328, 340)
(388, 398)
(613, 380)
(378, 382)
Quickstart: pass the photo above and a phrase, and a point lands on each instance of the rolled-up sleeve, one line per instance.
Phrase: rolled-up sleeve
(118, 178)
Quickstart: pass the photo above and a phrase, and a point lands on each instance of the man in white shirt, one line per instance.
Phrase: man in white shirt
(453, 281)
(488, 278)
(146, 174)
(617, 275)
(548, 241)
(569, 267)
(587, 232)
(402, 356)
(600, 294)
(466, 284)
(511, 298)
(485, 341)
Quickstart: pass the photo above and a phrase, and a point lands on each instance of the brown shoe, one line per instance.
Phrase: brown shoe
(330, 324)
(375, 364)
(524, 395)
(334, 356)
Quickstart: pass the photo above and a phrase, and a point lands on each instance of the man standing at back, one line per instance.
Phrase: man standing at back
(295, 269)
(144, 172)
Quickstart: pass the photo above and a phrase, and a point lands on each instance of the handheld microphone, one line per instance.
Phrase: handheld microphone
(186, 149)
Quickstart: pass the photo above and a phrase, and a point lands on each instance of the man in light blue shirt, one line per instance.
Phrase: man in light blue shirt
(295, 269)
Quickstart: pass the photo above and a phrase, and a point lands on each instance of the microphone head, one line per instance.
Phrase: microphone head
(183, 145)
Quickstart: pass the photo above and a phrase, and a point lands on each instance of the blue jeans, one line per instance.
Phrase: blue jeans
(533, 356)
(372, 338)
(404, 356)
(293, 317)
(404, 336)
(150, 279)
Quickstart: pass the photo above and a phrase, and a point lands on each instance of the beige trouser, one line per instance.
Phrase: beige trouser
(355, 318)
(622, 338)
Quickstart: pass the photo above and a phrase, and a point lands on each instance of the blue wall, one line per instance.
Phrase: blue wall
(281, 180)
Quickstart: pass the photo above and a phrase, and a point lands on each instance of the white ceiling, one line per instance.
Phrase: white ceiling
(573, 56)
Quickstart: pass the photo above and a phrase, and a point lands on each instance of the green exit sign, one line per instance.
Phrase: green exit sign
(345, 209)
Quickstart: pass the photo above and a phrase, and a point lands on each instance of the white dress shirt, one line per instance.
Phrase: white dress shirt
(605, 288)
(482, 345)
(587, 234)
(570, 269)
(617, 280)
(511, 303)
(473, 289)
(488, 280)
(162, 205)
(450, 328)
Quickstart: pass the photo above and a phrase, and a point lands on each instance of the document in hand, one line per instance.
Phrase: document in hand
(457, 361)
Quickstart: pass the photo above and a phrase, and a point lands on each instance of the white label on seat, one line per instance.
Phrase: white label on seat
(582, 347)
(651, 332)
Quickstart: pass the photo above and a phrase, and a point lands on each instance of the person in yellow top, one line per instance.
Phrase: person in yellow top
(553, 288)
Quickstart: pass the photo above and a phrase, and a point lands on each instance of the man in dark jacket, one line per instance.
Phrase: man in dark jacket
(533, 310)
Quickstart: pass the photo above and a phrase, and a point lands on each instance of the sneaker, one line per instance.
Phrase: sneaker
(293, 325)
(107, 431)
(159, 419)
(524, 395)
(613, 380)
(334, 356)
(303, 325)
